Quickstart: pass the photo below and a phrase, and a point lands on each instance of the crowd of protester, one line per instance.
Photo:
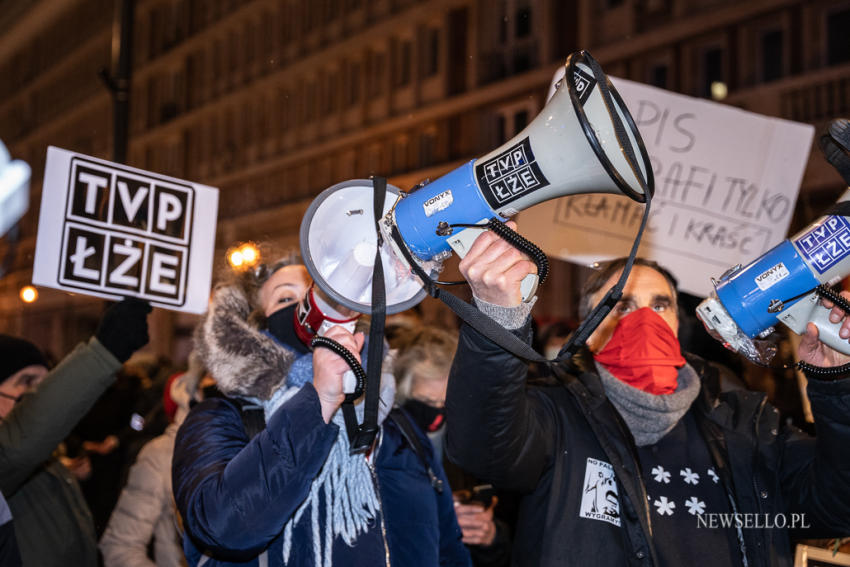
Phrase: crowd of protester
(110, 458)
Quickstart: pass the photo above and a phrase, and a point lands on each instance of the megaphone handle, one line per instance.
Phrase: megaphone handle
(349, 382)
(827, 330)
(462, 241)
(809, 309)
(528, 287)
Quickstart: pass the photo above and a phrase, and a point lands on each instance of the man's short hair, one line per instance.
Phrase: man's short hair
(607, 269)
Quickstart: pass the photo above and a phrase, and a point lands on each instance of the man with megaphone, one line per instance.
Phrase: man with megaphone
(630, 454)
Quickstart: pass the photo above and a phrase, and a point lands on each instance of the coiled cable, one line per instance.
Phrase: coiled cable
(359, 373)
(516, 240)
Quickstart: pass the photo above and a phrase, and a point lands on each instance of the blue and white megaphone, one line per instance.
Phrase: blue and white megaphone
(584, 141)
(786, 283)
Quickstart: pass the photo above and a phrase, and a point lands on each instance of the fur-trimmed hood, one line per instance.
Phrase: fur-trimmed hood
(243, 360)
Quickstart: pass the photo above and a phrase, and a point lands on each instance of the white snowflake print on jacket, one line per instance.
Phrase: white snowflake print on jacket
(713, 475)
(690, 476)
(695, 506)
(664, 506)
(661, 475)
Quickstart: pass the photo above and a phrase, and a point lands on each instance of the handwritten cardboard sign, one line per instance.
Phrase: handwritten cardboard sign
(114, 231)
(726, 182)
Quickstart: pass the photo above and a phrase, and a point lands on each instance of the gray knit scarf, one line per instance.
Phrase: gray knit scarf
(650, 416)
(351, 501)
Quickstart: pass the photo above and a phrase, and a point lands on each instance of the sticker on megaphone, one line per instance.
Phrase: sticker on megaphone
(584, 141)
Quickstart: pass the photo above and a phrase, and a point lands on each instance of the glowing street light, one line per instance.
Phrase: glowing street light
(719, 90)
(29, 294)
(250, 254)
(244, 256)
(236, 260)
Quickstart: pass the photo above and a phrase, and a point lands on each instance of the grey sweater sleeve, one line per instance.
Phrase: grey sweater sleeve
(511, 318)
(36, 425)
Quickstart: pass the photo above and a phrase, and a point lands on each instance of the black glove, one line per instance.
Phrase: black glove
(123, 329)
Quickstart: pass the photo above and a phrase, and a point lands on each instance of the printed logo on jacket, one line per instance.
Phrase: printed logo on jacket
(599, 499)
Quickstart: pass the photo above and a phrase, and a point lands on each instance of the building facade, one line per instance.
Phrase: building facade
(272, 101)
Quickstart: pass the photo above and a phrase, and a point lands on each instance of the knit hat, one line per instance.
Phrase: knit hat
(16, 354)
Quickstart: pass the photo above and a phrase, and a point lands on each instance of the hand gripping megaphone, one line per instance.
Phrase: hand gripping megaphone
(583, 141)
(785, 284)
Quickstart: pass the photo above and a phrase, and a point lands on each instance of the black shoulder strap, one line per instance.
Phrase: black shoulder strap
(253, 416)
(409, 433)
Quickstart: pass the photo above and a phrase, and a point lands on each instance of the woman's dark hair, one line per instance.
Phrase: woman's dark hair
(252, 279)
(604, 272)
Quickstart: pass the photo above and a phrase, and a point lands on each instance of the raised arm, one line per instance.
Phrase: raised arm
(495, 429)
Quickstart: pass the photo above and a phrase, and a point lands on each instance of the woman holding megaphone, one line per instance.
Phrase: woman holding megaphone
(265, 475)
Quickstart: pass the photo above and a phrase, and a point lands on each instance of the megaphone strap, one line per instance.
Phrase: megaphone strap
(361, 436)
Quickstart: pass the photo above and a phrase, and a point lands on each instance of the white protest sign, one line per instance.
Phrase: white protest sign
(726, 182)
(114, 231)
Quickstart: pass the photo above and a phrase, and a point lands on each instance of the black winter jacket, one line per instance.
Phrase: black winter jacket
(541, 440)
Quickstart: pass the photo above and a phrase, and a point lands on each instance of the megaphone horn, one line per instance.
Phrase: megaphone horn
(583, 141)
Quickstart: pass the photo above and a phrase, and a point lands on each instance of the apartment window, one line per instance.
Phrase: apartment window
(427, 147)
(712, 69)
(403, 54)
(838, 37)
(401, 149)
(374, 158)
(772, 55)
(331, 90)
(353, 83)
(520, 121)
(283, 104)
(512, 118)
(432, 53)
(378, 64)
(312, 101)
(522, 26)
(658, 76)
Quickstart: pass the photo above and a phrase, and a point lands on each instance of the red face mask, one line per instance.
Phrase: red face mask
(644, 353)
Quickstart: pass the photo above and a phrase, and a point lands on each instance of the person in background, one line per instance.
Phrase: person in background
(39, 408)
(422, 362)
(145, 510)
(265, 477)
(10, 556)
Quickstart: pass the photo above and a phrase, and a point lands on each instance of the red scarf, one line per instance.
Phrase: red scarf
(644, 353)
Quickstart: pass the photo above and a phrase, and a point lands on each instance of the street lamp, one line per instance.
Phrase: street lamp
(244, 256)
(28, 294)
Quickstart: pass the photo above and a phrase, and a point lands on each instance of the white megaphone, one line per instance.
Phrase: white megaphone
(779, 287)
(584, 141)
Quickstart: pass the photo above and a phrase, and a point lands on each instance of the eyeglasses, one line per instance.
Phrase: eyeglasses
(15, 399)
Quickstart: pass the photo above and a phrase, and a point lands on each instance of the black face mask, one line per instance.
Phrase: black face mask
(429, 418)
(281, 324)
(208, 392)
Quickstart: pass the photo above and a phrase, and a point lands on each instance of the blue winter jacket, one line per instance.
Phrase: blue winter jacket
(235, 495)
